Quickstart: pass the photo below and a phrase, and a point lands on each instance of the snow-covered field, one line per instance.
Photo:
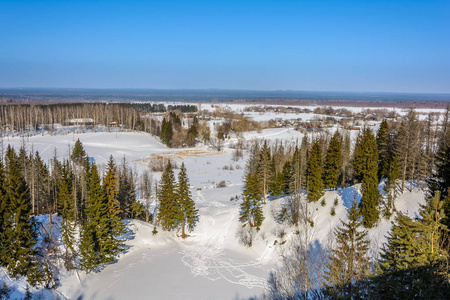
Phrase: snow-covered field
(210, 264)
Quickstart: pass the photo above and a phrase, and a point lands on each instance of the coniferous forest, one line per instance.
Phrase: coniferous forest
(400, 156)
(84, 207)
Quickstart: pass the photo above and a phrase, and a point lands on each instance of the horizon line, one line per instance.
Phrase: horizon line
(222, 89)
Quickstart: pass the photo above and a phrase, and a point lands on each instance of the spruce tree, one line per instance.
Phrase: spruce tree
(266, 169)
(126, 192)
(21, 233)
(78, 155)
(41, 184)
(369, 202)
(349, 260)
(166, 132)
(392, 174)
(432, 229)
(287, 175)
(383, 145)
(163, 130)
(440, 182)
(365, 163)
(277, 186)
(252, 164)
(66, 211)
(24, 163)
(414, 260)
(188, 213)
(115, 227)
(168, 213)
(251, 210)
(314, 172)
(365, 156)
(88, 248)
(398, 253)
(95, 244)
(304, 152)
(332, 168)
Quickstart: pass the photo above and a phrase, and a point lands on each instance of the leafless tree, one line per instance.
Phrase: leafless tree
(301, 271)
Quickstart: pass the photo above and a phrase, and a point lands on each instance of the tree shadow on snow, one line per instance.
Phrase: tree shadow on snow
(348, 195)
(127, 236)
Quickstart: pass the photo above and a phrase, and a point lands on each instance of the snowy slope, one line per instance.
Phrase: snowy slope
(210, 264)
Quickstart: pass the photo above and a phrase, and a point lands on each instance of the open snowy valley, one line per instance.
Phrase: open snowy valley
(212, 262)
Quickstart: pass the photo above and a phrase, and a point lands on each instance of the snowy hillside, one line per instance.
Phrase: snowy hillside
(211, 263)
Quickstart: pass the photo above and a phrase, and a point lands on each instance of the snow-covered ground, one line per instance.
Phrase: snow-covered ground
(241, 108)
(211, 263)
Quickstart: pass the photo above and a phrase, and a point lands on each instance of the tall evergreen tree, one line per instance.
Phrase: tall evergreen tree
(166, 132)
(314, 172)
(287, 175)
(349, 260)
(392, 174)
(169, 212)
(188, 212)
(115, 227)
(266, 169)
(431, 227)
(332, 168)
(94, 246)
(440, 182)
(78, 155)
(66, 211)
(252, 164)
(126, 192)
(41, 183)
(21, 255)
(383, 145)
(365, 155)
(365, 163)
(412, 259)
(369, 202)
(251, 210)
(280, 183)
(88, 248)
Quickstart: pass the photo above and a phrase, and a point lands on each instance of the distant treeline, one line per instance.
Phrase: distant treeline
(25, 117)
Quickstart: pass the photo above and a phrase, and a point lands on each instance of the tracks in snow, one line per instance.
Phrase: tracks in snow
(208, 257)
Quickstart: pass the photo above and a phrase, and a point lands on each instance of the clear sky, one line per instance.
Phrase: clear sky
(390, 46)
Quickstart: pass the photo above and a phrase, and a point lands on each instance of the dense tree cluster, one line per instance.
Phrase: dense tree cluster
(414, 261)
(324, 162)
(176, 206)
(85, 203)
(90, 206)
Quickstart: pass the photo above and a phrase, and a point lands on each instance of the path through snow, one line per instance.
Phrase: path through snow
(210, 259)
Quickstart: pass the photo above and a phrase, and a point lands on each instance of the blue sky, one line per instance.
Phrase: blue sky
(386, 46)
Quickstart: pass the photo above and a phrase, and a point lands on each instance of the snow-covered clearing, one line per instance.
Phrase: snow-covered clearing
(210, 264)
